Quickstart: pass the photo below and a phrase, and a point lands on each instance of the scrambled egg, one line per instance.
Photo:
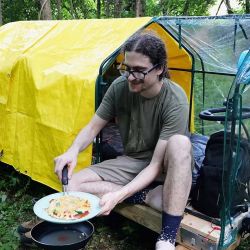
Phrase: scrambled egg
(68, 207)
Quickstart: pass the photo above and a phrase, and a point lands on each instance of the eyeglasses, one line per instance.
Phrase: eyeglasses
(137, 74)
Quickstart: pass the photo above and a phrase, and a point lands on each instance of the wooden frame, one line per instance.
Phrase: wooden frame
(196, 228)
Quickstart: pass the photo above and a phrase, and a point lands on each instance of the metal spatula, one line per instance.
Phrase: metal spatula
(65, 179)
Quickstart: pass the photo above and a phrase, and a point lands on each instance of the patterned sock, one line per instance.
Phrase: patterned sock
(138, 198)
(170, 225)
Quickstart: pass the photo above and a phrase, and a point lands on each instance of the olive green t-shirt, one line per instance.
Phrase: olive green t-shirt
(142, 121)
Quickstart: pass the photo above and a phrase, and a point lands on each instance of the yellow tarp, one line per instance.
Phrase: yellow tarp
(48, 71)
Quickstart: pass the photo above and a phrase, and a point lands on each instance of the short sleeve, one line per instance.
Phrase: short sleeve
(106, 110)
(175, 121)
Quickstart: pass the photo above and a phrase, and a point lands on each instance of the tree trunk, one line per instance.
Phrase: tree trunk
(98, 7)
(72, 9)
(106, 4)
(139, 8)
(247, 7)
(229, 8)
(118, 8)
(185, 9)
(1, 13)
(163, 6)
(45, 11)
(59, 9)
(219, 7)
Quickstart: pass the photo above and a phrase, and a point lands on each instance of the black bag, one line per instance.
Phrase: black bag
(207, 194)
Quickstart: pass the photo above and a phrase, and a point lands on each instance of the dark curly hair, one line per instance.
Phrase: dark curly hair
(149, 44)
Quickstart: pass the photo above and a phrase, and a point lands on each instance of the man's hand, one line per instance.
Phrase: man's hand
(108, 202)
(68, 158)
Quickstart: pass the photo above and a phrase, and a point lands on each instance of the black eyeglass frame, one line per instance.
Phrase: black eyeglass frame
(126, 73)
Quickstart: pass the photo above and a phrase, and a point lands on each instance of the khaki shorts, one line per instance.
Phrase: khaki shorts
(121, 170)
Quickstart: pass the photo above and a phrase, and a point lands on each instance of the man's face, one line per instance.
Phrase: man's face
(139, 62)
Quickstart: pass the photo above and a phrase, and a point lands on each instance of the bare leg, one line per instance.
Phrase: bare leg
(88, 181)
(98, 188)
(154, 198)
(178, 181)
(177, 164)
(85, 175)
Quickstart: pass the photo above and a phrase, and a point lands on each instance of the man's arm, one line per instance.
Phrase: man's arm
(88, 133)
(82, 141)
(142, 180)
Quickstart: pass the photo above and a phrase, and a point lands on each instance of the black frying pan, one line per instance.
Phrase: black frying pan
(62, 236)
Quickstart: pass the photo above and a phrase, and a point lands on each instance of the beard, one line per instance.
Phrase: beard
(135, 85)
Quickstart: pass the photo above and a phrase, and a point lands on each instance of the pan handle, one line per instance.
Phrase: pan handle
(65, 175)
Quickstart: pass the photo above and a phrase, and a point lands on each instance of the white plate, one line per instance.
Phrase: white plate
(41, 205)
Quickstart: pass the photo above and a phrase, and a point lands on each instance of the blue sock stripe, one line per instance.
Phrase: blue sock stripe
(137, 198)
(170, 225)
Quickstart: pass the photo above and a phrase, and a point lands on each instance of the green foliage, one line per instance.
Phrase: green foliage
(81, 9)
(244, 9)
(11, 207)
(182, 7)
(152, 8)
(16, 10)
(16, 204)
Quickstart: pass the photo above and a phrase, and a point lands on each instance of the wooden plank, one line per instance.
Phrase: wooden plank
(143, 215)
(200, 226)
(151, 219)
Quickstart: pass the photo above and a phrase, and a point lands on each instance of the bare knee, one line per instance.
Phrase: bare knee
(178, 151)
(83, 176)
(74, 183)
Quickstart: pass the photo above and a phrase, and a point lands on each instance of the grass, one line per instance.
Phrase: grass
(111, 233)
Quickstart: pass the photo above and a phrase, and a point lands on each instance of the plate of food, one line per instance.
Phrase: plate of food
(68, 208)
